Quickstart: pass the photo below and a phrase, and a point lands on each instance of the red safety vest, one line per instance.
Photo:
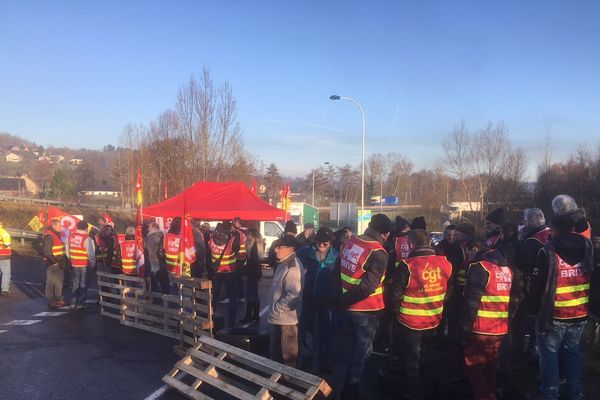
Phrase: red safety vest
(241, 255)
(587, 233)
(491, 241)
(129, 257)
(58, 247)
(542, 236)
(401, 247)
(78, 252)
(4, 245)
(492, 314)
(171, 245)
(572, 291)
(353, 257)
(228, 260)
(423, 300)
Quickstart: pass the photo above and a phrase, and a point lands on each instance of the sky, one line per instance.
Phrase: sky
(74, 73)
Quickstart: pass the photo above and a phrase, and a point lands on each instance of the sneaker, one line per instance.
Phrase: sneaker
(5, 293)
(60, 303)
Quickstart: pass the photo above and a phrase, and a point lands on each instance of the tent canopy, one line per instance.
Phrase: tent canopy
(216, 201)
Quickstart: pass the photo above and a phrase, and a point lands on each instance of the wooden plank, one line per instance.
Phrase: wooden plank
(215, 382)
(150, 329)
(159, 320)
(111, 295)
(274, 366)
(111, 285)
(189, 283)
(110, 305)
(250, 376)
(109, 314)
(184, 389)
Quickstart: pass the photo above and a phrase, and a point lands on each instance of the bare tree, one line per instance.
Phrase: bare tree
(458, 159)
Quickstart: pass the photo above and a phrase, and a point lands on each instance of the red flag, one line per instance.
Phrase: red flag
(138, 189)
(139, 240)
(109, 220)
(253, 188)
(187, 251)
(166, 190)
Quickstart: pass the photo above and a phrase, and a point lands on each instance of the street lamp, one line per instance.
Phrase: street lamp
(362, 167)
(313, 187)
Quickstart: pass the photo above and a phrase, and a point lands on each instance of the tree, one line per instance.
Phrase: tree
(272, 181)
(61, 185)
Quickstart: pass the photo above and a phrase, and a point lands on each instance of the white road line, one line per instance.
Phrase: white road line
(3, 331)
(29, 283)
(50, 314)
(159, 392)
(91, 301)
(263, 311)
(65, 308)
(22, 322)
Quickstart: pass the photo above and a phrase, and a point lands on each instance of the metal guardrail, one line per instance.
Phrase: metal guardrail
(23, 234)
(31, 200)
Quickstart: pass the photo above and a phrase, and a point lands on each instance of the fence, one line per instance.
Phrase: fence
(185, 317)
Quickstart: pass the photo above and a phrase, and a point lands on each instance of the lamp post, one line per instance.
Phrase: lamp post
(313, 186)
(362, 166)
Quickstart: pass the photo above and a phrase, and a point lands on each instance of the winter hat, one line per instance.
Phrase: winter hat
(564, 204)
(309, 225)
(290, 227)
(287, 241)
(496, 216)
(380, 223)
(562, 223)
(465, 228)
(401, 223)
(418, 223)
(324, 234)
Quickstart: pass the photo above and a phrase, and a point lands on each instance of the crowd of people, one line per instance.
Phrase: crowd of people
(518, 292)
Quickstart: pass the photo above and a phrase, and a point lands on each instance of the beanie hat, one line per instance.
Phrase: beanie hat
(287, 241)
(418, 223)
(82, 225)
(564, 204)
(401, 223)
(380, 223)
(496, 216)
(290, 227)
(465, 228)
(324, 234)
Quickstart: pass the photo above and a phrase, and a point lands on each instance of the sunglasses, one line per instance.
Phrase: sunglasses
(323, 244)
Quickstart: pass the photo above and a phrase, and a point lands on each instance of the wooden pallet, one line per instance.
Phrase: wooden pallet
(214, 368)
(196, 317)
(110, 291)
(153, 312)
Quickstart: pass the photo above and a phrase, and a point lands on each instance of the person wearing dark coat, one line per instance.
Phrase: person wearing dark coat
(53, 252)
(564, 204)
(198, 267)
(561, 289)
(255, 247)
(493, 227)
(307, 236)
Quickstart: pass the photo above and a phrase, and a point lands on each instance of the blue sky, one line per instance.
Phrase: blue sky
(76, 72)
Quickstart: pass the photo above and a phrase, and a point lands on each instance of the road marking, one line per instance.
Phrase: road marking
(159, 392)
(28, 283)
(3, 331)
(91, 301)
(65, 308)
(50, 314)
(263, 311)
(23, 322)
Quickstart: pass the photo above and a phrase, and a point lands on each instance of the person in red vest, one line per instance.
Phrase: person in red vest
(53, 252)
(564, 204)
(129, 256)
(223, 247)
(171, 245)
(493, 227)
(358, 290)
(416, 293)
(560, 294)
(80, 249)
(484, 320)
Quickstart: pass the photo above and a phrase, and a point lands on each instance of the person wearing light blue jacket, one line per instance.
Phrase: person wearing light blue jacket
(318, 260)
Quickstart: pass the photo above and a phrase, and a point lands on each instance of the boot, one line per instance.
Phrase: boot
(256, 311)
(249, 314)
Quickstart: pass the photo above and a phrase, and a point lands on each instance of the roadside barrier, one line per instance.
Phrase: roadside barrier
(185, 317)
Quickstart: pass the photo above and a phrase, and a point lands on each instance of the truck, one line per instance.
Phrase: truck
(384, 201)
(303, 213)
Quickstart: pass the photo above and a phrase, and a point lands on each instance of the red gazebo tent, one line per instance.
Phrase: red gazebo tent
(216, 201)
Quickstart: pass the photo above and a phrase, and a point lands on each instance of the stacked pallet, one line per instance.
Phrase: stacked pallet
(213, 369)
(185, 317)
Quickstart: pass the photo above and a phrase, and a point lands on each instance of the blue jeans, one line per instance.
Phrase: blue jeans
(561, 342)
(363, 326)
(315, 312)
(5, 272)
(79, 289)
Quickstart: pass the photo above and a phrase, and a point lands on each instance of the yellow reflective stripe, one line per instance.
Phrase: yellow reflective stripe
(78, 252)
(423, 300)
(424, 313)
(571, 289)
(349, 279)
(495, 299)
(172, 262)
(57, 247)
(78, 257)
(492, 314)
(227, 262)
(570, 303)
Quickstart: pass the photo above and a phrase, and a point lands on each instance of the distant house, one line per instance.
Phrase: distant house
(14, 186)
(14, 148)
(44, 158)
(104, 191)
(14, 158)
(56, 158)
(76, 161)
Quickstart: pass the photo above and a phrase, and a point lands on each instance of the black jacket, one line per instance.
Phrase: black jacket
(532, 247)
(572, 248)
(47, 243)
(477, 279)
(375, 267)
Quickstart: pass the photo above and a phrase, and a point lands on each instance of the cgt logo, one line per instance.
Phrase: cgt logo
(431, 274)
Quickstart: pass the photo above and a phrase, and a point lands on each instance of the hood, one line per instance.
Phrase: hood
(571, 247)
(373, 234)
(493, 233)
(493, 256)
(422, 251)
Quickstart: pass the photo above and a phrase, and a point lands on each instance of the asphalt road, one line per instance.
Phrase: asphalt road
(68, 354)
